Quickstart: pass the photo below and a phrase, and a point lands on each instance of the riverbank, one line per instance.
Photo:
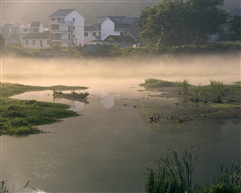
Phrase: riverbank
(20, 117)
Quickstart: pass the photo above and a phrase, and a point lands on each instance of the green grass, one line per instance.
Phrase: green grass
(155, 83)
(20, 117)
(8, 89)
(215, 92)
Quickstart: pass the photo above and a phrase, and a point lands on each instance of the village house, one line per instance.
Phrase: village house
(13, 33)
(36, 27)
(36, 40)
(117, 25)
(66, 28)
(92, 34)
(123, 41)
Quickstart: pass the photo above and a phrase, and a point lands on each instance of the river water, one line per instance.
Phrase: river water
(107, 147)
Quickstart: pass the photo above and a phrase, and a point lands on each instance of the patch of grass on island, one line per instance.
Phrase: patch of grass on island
(155, 83)
(8, 89)
(21, 117)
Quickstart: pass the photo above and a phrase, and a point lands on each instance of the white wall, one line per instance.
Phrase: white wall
(107, 28)
(78, 25)
(89, 39)
(35, 45)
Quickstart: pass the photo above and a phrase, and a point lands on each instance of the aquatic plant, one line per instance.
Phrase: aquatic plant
(174, 173)
(183, 87)
(216, 91)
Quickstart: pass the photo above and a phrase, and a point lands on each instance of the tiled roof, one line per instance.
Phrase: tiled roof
(94, 27)
(61, 12)
(44, 35)
(123, 19)
(119, 38)
(35, 24)
(7, 25)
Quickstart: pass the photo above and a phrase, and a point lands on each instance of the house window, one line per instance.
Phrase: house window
(25, 30)
(26, 42)
(33, 42)
(47, 42)
(73, 28)
(56, 36)
(41, 41)
(55, 27)
(73, 19)
(93, 33)
(35, 30)
(73, 36)
(86, 33)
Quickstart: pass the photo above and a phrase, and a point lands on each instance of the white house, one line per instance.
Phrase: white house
(66, 28)
(36, 27)
(92, 34)
(117, 25)
(36, 40)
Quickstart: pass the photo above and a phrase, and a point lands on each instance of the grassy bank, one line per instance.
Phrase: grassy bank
(20, 117)
(215, 92)
(180, 102)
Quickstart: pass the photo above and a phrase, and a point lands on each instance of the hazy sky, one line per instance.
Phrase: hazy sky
(25, 11)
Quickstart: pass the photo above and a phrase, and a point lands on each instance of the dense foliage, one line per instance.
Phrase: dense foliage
(178, 22)
(236, 27)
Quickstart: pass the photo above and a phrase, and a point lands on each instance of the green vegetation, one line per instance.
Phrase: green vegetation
(216, 92)
(2, 42)
(20, 117)
(177, 22)
(154, 83)
(183, 87)
(174, 174)
(236, 27)
(8, 89)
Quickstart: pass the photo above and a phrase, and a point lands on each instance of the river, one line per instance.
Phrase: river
(107, 147)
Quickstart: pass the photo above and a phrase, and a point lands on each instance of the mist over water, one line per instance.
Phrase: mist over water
(106, 148)
(46, 72)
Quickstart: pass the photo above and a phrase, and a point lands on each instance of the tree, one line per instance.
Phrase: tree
(2, 42)
(179, 22)
(236, 27)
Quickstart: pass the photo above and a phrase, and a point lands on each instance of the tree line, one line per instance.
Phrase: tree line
(184, 22)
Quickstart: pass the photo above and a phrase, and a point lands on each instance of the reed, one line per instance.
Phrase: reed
(174, 173)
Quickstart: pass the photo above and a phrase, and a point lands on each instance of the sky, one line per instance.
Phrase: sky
(25, 11)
